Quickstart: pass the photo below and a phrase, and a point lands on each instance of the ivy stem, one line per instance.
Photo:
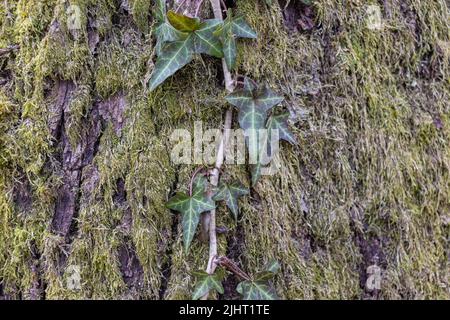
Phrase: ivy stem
(193, 178)
(215, 173)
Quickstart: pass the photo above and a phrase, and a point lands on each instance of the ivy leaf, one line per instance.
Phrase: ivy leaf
(206, 41)
(269, 271)
(230, 193)
(256, 290)
(191, 209)
(260, 288)
(253, 106)
(207, 282)
(174, 56)
(255, 171)
(249, 84)
(280, 122)
(232, 28)
(241, 29)
(164, 32)
(229, 52)
(182, 22)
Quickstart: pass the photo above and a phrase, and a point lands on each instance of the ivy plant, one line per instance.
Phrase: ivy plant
(178, 39)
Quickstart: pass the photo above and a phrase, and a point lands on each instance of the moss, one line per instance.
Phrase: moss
(369, 111)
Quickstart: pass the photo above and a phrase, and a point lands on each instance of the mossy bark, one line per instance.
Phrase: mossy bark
(85, 151)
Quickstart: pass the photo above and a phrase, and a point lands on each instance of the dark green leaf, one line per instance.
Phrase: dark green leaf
(249, 84)
(166, 33)
(241, 29)
(206, 283)
(183, 23)
(280, 122)
(191, 208)
(232, 28)
(230, 193)
(270, 270)
(229, 52)
(256, 290)
(174, 56)
(253, 106)
(206, 41)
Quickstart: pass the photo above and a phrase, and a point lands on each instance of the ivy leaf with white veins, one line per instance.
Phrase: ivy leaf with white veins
(164, 32)
(174, 56)
(253, 106)
(230, 193)
(280, 122)
(207, 282)
(206, 41)
(259, 288)
(191, 209)
(256, 290)
(270, 270)
(231, 29)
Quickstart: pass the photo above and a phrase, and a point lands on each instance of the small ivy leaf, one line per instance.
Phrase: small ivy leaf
(232, 28)
(206, 41)
(166, 33)
(272, 266)
(229, 52)
(280, 122)
(270, 270)
(191, 209)
(174, 56)
(255, 171)
(249, 84)
(183, 23)
(207, 282)
(242, 29)
(230, 193)
(256, 290)
(200, 185)
(253, 106)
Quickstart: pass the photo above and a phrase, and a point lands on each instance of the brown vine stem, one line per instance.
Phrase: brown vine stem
(215, 173)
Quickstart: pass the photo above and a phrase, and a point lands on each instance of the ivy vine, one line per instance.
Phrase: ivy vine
(178, 39)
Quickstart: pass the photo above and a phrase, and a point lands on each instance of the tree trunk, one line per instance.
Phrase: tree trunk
(85, 151)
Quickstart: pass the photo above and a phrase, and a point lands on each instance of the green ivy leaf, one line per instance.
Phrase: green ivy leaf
(207, 282)
(183, 23)
(280, 122)
(269, 271)
(206, 41)
(230, 193)
(229, 52)
(256, 290)
(164, 32)
(241, 29)
(174, 56)
(253, 106)
(232, 28)
(259, 288)
(191, 209)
